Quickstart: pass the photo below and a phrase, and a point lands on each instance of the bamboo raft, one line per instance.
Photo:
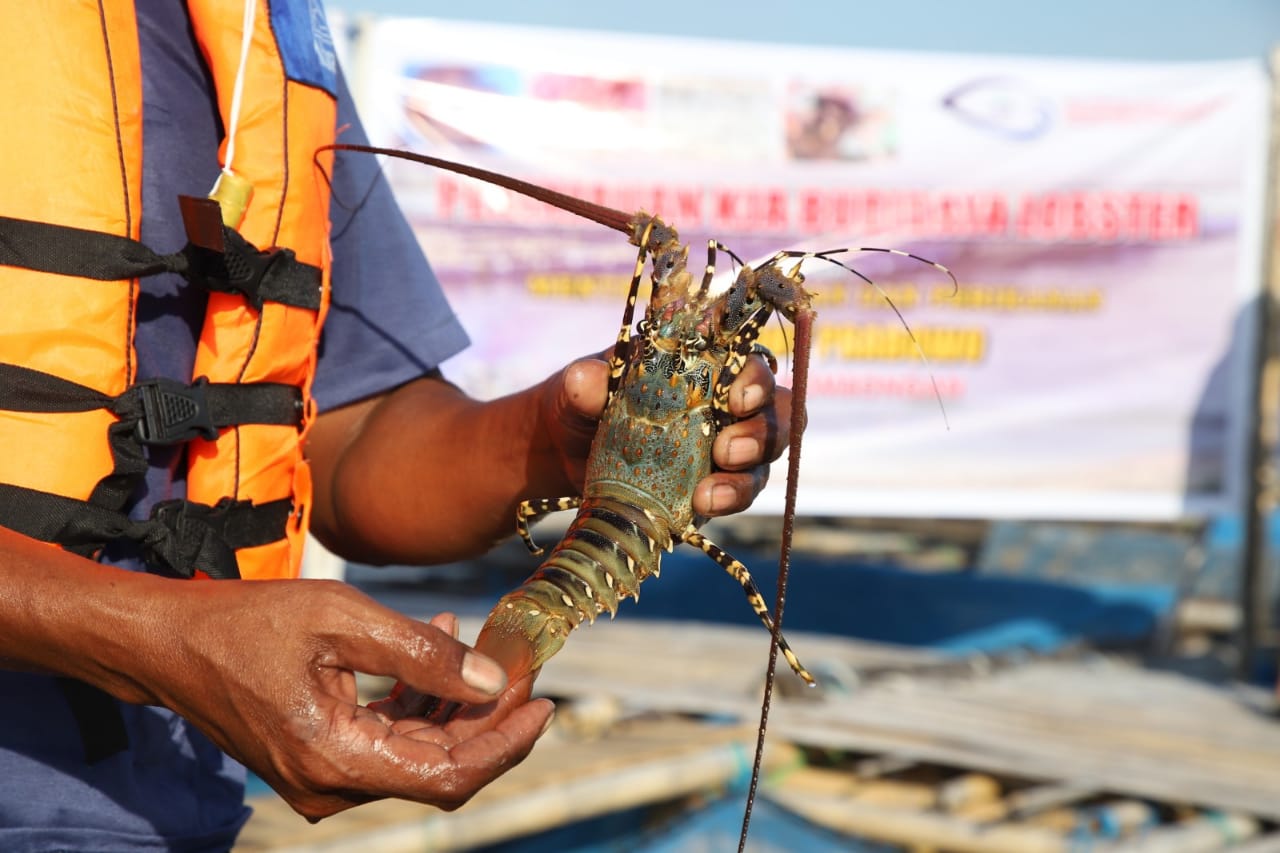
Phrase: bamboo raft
(900, 746)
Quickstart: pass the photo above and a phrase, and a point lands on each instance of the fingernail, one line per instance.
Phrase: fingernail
(483, 674)
(722, 497)
(752, 397)
(742, 451)
(551, 719)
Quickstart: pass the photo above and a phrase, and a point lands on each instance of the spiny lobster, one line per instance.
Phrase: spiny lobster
(668, 396)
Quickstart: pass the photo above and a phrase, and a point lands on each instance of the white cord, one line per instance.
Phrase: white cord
(250, 9)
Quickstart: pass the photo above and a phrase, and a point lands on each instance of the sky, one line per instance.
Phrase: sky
(1112, 29)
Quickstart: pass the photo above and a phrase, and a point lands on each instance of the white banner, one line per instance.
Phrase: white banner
(1104, 220)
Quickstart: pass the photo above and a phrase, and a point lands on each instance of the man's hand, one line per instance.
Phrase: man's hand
(268, 672)
(741, 453)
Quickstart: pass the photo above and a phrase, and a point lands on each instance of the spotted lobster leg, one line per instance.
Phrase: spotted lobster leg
(532, 510)
(739, 572)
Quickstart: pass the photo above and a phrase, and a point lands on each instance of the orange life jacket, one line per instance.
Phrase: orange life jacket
(74, 419)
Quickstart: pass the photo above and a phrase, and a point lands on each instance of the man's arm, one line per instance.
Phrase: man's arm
(284, 704)
(425, 474)
(289, 710)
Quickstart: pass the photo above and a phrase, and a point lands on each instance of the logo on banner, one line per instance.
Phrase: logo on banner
(1002, 106)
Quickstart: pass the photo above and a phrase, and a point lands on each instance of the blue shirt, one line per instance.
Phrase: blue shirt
(389, 323)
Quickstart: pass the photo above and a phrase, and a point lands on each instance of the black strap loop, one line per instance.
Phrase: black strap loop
(197, 536)
(275, 275)
(185, 537)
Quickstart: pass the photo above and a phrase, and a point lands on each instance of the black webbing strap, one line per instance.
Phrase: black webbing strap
(76, 251)
(161, 411)
(275, 275)
(97, 715)
(179, 536)
(173, 412)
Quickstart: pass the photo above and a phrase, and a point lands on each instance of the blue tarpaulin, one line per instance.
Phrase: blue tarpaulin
(960, 612)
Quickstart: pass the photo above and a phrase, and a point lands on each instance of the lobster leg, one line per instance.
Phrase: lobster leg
(761, 349)
(739, 572)
(618, 361)
(710, 272)
(742, 346)
(532, 510)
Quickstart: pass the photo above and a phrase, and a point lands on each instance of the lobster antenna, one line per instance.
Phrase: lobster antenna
(955, 285)
(787, 347)
(937, 394)
(333, 190)
(799, 393)
(606, 216)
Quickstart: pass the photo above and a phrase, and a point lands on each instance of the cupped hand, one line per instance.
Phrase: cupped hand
(267, 670)
(742, 450)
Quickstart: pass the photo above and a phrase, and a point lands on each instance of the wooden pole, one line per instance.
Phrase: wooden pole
(1255, 600)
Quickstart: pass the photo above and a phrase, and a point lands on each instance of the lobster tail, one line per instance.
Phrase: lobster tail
(610, 548)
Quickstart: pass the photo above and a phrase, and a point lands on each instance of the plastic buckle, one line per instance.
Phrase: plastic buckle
(173, 412)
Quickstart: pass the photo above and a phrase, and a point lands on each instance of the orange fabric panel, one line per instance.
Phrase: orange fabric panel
(281, 124)
(71, 154)
(87, 135)
(312, 115)
(61, 453)
(74, 328)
